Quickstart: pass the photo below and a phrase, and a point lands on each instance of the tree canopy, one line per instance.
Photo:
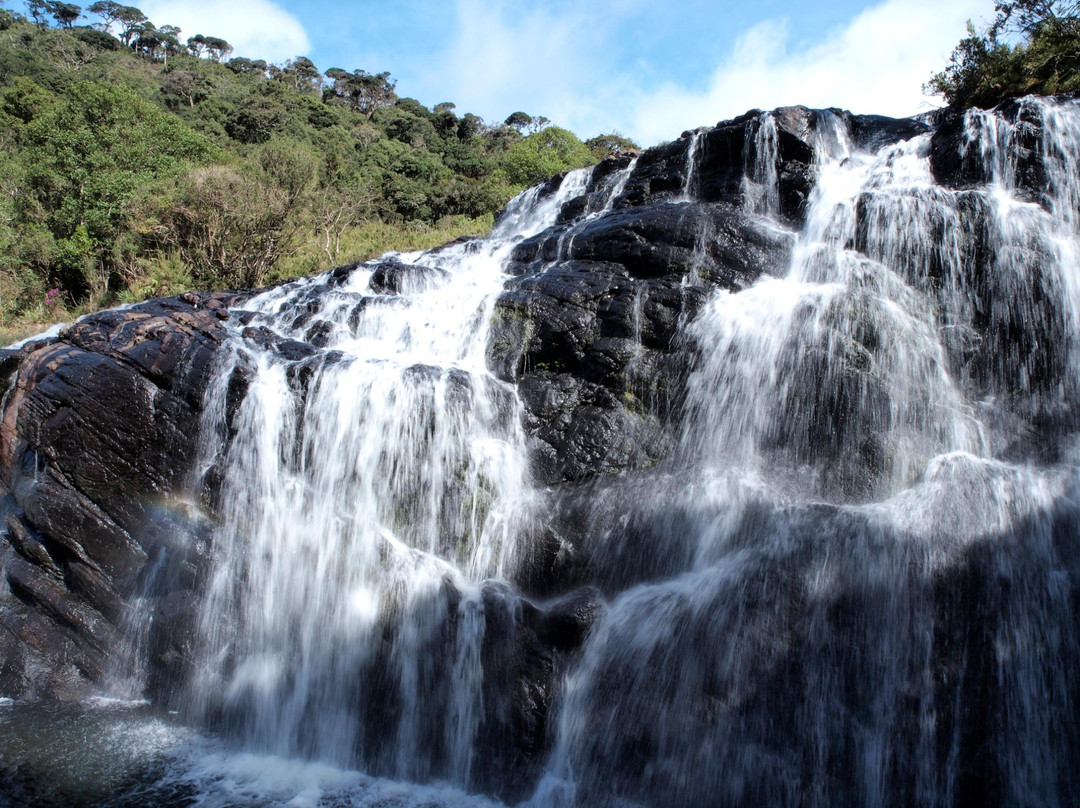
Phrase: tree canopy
(1033, 46)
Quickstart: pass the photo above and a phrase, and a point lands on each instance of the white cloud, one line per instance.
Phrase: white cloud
(258, 29)
(875, 64)
(559, 60)
(503, 57)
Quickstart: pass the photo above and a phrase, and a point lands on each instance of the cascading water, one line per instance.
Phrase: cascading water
(367, 491)
(596, 205)
(843, 329)
(809, 650)
(691, 165)
(761, 184)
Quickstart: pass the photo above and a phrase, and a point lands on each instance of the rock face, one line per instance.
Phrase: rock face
(99, 432)
(100, 424)
(590, 328)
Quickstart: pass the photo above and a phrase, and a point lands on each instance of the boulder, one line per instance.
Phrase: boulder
(588, 327)
(99, 431)
(396, 278)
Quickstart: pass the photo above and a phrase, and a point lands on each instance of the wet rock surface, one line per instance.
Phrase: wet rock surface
(99, 431)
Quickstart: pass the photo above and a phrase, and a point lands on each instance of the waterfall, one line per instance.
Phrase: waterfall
(843, 329)
(691, 165)
(860, 517)
(850, 579)
(366, 492)
(761, 185)
(598, 203)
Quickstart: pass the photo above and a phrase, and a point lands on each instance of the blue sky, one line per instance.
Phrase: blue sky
(641, 68)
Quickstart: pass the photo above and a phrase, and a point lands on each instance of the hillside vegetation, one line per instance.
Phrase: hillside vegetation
(134, 165)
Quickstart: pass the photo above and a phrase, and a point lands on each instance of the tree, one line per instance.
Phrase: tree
(217, 48)
(255, 119)
(130, 19)
(39, 11)
(25, 99)
(544, 154)
(518, 120)
(247, 67)
(90, 172)
(524, 122)
(196, 45)
(65, 14)
(1029, 16)
(187, 86)
(338, 207)
(444, 119)
(604, 145)
(361, 90)
(146, 40)
(156, 43)
(97, 39)
(170, 41)
(302, 73)
(409, 122)
(88, 156)
(109, 12)
(469, 126)
(231, 225)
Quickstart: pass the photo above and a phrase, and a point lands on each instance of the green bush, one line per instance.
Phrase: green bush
(544, 154)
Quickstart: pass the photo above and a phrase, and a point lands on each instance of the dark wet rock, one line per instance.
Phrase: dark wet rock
(725, 152)
(715, 242)
(580, 429)
(396, 278)
(587, 346)
(957, 162)
(172, 648)
(519, 683)
(290, 350)
(522, 649)
(873, 132)
(952, 163)
(590, 336)
(564, 624)
(341, 275)
(99, 429)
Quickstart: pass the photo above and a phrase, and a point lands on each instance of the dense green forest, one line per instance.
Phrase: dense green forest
(1032, 46)
(133, 164)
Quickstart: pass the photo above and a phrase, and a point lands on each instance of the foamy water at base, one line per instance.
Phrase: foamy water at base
(116, 754)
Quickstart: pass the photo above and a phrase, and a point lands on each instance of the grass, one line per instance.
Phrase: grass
(21, 329)
(370, 239)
